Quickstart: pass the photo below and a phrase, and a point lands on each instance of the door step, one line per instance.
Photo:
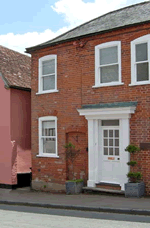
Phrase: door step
(95, 189)
(112, 186)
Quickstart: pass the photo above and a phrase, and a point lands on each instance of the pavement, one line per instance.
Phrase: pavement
(86, 201)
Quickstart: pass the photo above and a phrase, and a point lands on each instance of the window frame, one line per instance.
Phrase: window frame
(97, 64)
(108, 146)
(40, 76)
(139, 40)
(40, 120)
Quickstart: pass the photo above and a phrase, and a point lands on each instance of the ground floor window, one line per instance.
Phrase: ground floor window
(48, 136)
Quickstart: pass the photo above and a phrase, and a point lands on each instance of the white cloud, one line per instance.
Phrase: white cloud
(19, 42)
(75, 12)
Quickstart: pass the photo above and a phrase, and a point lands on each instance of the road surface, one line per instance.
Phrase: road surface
(30, 217)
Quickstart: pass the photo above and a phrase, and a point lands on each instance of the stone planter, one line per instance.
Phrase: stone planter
(74, 187)
(134, 189)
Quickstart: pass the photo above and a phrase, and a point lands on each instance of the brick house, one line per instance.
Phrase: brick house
(91, 87)
(15, 118)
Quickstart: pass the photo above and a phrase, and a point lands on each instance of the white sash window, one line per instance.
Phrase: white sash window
(108, 64)
(48, 136)
(140, 60)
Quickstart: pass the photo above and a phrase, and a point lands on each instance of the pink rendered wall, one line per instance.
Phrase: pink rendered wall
(20, 132)
(5, 139)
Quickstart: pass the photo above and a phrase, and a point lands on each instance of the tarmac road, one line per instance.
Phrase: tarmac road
(33, 217)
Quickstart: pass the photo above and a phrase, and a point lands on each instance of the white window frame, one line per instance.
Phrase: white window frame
(40, 82)
(140, 40)
(41, 154)
(105, 157)
(97, 64)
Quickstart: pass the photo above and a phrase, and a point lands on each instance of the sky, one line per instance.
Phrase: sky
(28, 23)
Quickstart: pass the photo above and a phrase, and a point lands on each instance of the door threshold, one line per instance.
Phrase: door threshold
(103, 190)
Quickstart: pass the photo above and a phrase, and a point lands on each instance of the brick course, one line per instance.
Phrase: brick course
(75, 78)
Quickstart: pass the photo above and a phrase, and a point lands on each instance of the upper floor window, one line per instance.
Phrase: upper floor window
(108, 64)
(140, 60)
(48, 74)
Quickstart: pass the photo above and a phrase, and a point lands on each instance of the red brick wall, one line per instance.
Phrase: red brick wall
(76, 76)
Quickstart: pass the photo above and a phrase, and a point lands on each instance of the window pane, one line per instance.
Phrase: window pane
(142, 72)
(141, 52)
(110, 142)
(116, 133)
(49, 82)
(105, 151)
(105, 142)
(105, 133)
(109, 74)
(110, 133)
(116, 142)
(110, 122)
(117, 151)
(110, 151)
(109, 55)
(48, 67)
(49, 146)
(48, 128)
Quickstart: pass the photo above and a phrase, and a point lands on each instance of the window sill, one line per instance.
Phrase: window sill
(140, 83)
(47, 156)
(107, 84)
(49, 91)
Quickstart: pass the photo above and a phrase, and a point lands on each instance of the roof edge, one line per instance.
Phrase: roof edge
(38, 47)
(110, 105)
(20, 88)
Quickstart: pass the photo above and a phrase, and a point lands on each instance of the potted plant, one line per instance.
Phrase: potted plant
(135, 187)
(73, 186)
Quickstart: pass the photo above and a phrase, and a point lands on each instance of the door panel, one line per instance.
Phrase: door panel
(111, 158)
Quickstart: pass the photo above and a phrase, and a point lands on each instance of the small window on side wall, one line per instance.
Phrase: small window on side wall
(48, 74)
(108, 64)
(48, 136)
(140, 60)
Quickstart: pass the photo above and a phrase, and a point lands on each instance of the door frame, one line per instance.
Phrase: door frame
(93, 117)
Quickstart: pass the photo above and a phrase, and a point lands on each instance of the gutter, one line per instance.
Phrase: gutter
(20, 88)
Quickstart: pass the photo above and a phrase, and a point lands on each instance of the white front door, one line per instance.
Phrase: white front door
(110, 159)
(107, 162)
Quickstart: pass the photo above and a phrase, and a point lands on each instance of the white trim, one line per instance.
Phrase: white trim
(45, 58)
(125, 141)
(48, 91)
(97, 64)
(140, 83)
(107, 113)
(107, 84)
(47, 156)
(91, 157)
(41, 119)
(140, 40)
